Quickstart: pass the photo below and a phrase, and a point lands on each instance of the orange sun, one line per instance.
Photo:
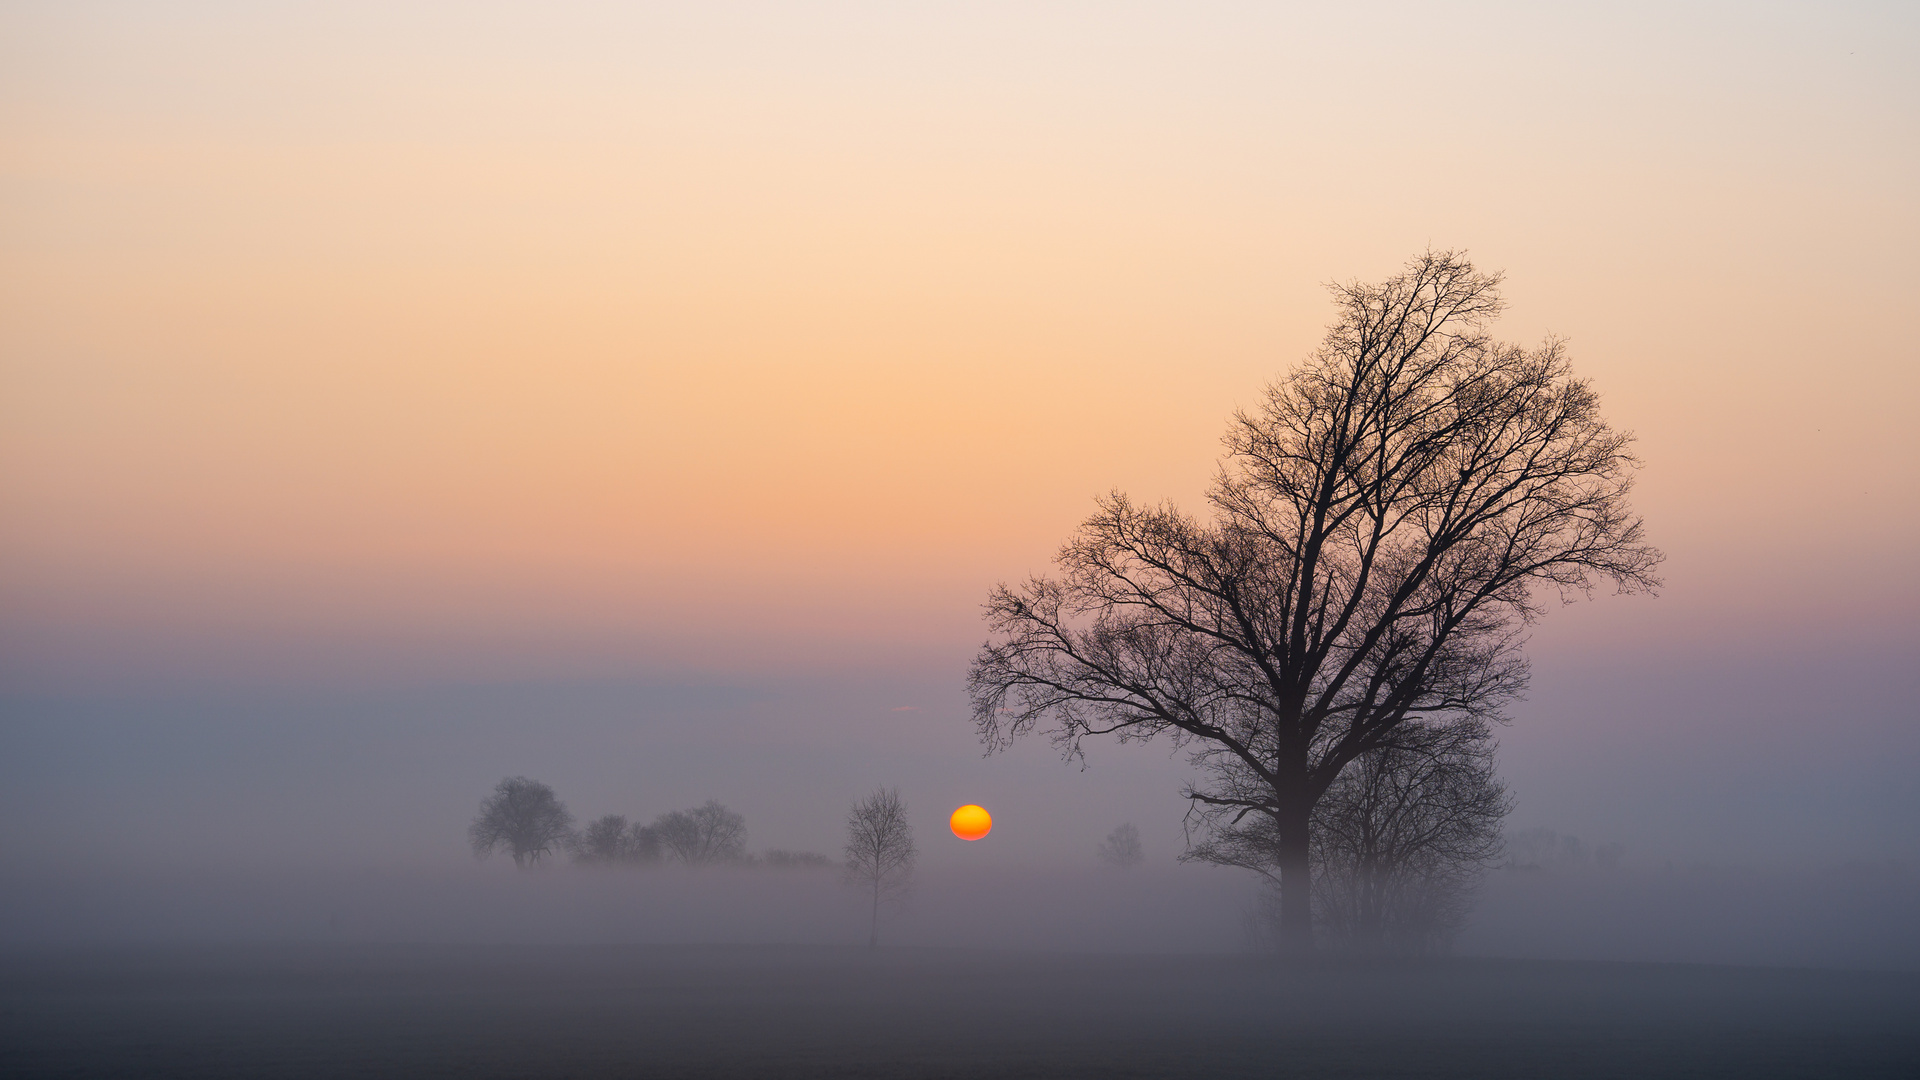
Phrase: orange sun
(971, 822)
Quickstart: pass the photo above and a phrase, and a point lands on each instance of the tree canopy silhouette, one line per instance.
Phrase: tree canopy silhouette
(524, 817)
(708, 833)
(1381, 531)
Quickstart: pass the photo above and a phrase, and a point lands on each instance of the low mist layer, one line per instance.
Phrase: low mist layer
(1856, 915)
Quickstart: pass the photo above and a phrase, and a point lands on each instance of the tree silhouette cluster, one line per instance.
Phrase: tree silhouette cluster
(525, 819)
(528, 821)
(707, 834)
(610, 839)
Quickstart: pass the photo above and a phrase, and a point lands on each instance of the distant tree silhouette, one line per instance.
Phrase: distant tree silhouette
(880, 853)
(643, 843)
(709, 833)
(1385, 524)
(524, 817)
(1544, 849)
(1122, 847)
(781, 859)
(604, 840)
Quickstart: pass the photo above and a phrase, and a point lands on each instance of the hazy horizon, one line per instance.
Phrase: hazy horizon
(643, 398)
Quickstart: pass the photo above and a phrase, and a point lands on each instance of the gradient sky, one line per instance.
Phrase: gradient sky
(474, 388)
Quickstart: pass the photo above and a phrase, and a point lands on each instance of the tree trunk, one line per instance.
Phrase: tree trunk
(873, 928)
(1296, 884)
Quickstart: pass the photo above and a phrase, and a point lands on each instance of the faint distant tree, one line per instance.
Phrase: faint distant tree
(1122, 847)
(604, 841)
(880, 852)
(643, 843)
(1387, 522)
(709, 833)
(1541, 849)
(1400, 840)
(1544, 849)
(524, 817)
(780, 859)
(1403, 836)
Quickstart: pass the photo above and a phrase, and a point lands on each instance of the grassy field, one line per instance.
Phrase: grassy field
(803, 1012)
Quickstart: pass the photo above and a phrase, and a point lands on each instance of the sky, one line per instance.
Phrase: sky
(644, 397)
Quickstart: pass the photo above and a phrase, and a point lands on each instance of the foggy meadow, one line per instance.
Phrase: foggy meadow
(201, 942)
(845, 539)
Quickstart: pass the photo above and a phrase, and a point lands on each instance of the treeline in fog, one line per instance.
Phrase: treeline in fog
(526, 820)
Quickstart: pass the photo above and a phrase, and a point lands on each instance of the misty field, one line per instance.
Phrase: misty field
(797, 1012)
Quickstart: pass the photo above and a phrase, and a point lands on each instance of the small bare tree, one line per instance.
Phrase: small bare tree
(709, 833)
(880, 852)
(1121, 848)
(524, 817)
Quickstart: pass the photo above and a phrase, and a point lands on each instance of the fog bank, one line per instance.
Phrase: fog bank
(1855, 915)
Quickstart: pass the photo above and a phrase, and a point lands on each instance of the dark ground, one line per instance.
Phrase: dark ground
(803, 1012)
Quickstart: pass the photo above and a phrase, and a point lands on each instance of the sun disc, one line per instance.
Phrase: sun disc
(971, 822)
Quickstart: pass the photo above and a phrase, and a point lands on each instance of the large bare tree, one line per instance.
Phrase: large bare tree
(880, 852)
(1384, 527)
(524, 817)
